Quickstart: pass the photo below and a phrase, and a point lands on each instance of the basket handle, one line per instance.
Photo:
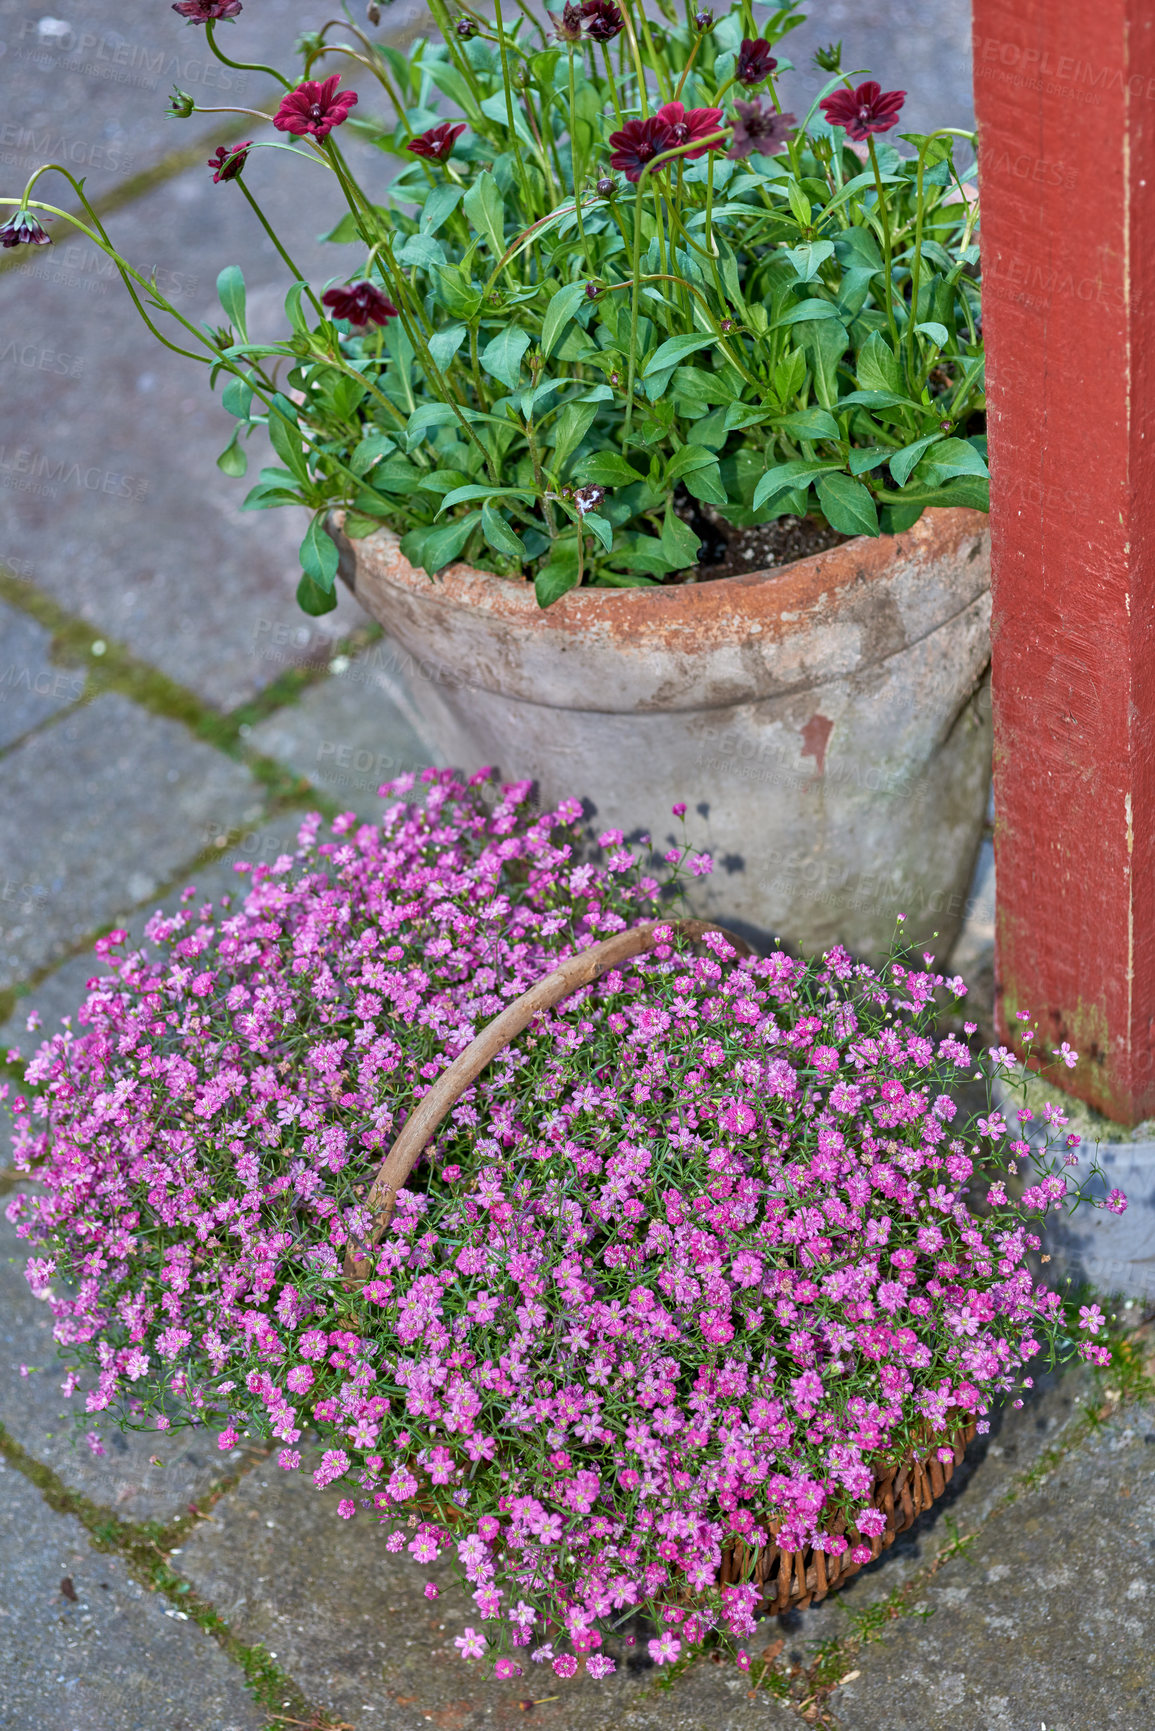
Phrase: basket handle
(423, 1122)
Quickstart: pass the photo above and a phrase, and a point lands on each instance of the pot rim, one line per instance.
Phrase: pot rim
(782, 595)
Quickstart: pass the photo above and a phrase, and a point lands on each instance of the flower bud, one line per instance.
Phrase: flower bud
(615, 380)
(726, 326)
(373, 12)
(703, 21)
(593, 290)
(606, 187)
(465, 28)
(180, 104)
(588, 498)
(829, 59)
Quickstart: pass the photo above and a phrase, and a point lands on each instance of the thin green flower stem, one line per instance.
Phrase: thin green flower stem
(376, 60)
(475, 364)
(659, 225)
(916, 272)
(242, 65)
(710, 251)
(884, 220)
(521, 174)
(535, 459)
(657, 60)
(542, 153)
(253, 113)
(130, 275)
(734, 359)
(536, 22)
(462, 62)
(578, 167)
(688, 68)
(270, 231)
(362, 60)
(639, 72)
(718, 94)
(613, 84)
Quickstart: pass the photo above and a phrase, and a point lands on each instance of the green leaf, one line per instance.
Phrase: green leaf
(784, 477)
(680, 545)
(231, 294)
(799, 204)
(878, 366)
(810, 309)
(319, 554)
(706, 484)
(495, 108)
(456, 292)
(499, 534)
(598, 526)
(313, 599)
(502, 357)
(423, 251)
(285, 438)
(609, 469)
(808, 258)
(902, 462)
(809, 424)
(875, 400)
(862, 461)
(444, 344)
(370, 450)
(237, 398)
(465, 495)
(558, 314)
(485, 208)
(232, 460)
(938, 334)
(558, 575)
(573, 423)
(439, 206)
(675, 349)
(846, 505)
(950, 458)
(689, 457)
(441, 546)
(293, 309)
(345, 232)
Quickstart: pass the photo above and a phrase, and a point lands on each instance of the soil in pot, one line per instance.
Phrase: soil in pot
(730, 552)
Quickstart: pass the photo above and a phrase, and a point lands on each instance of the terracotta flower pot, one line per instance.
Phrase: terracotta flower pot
(826, 722)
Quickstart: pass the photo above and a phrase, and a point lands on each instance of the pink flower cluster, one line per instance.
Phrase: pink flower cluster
(688, 1262)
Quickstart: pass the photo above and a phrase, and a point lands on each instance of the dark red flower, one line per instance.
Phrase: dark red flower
(569, 27)
(865, 110)
(200, 11)
(638, 143)
(360, 303)
(758, 129)
(23, 229)
(685, 124)
(602, 20)
(313, 109)
(755, 61)
(437, 144)
(229, 160)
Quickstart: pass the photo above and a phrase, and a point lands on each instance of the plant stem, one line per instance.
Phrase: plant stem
(521, 174)
(613, 83)
(268, 228)
(915, 273)
(241, 65)
(884, 219)
(576, 167)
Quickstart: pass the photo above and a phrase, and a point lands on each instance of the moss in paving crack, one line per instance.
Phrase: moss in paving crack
(145, 1547)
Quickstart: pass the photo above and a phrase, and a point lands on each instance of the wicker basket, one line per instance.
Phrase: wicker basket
(788, 1580)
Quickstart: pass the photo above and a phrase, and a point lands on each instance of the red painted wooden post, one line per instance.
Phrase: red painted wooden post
(1065, 101)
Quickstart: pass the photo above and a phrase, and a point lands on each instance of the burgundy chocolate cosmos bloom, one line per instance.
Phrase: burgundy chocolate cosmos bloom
(569, 26)
(313, 109)
(23, 229)
(638, 143)
(360, 303)
(200, 11)
(865, 110)
(437, 144)
(687, 123)
(229, 160)
(755, 61)
(602, 20)
(758, 129)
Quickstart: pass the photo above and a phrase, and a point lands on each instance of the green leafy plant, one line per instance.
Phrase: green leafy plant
(619, 290)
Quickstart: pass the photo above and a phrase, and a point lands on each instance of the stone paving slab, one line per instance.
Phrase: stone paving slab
(350, 1623)
(110, 1660)
(184, 1467)
(111, 801)
(992, 1463)
(90, 79)
(351, 731)
(32, 688)
(1049, 1618)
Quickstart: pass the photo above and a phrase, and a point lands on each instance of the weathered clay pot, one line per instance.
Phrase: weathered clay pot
(826, 722)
